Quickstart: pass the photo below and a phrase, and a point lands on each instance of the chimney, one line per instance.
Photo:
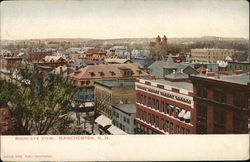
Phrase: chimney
(173, 71)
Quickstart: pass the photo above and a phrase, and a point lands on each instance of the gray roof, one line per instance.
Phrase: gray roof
(128, 108)
(182, 85)
(239, 79)
(157, 68)
(170, 63)
(177, 75)
(115, 83)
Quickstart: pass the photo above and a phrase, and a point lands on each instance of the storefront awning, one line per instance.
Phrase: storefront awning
(181, 114)
(116, 131)
(187, 115)
(103, 121)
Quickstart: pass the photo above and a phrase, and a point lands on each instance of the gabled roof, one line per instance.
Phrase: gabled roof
(170, 63)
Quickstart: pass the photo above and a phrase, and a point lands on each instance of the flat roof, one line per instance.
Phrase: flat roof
(239, 79)
(182, 85)
(128, 108)
(115, 83)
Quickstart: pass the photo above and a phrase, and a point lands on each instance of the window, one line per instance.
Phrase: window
(239, 122)
(149, 102)
(219, 96)
(153, 106)
(163, 107)
(182, 130)
(202, 92)
(172, 128)
(219, 116)
(201, 111)
(167, 126)
(153, 119)
(157, 122)
(167, 108)
(240, 100)
(177, 129)
(188, 131)
(157, 105)
(162, 124)
(128, 121)
(145, 100)
(145, 116)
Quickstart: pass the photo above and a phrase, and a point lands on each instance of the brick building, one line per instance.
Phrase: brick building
(110, 92)
(221, 103)
(164, 107)
(211, 55)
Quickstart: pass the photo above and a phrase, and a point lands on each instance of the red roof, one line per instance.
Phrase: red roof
(96, 51)
(202, 69)
(110, 71)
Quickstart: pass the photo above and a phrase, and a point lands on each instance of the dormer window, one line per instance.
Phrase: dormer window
(92, 73)
(112, 73)
(101, 73)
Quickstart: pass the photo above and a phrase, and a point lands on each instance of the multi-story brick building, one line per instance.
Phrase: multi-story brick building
(164, 107)
(221, 103)
(110, 92)
(211, 55)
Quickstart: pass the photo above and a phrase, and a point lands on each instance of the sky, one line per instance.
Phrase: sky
(108, 19)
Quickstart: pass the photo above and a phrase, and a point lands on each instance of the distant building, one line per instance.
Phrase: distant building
(95, 53)
(160, 45)
(140, 54)
(38, 56)
(78, 63)
(221, 103)
(110, 92)
(233, 66)
(164, 107)
(211, 55)
(161, 68)
(123, 116)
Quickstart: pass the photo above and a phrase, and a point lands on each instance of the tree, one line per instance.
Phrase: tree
(39, 104)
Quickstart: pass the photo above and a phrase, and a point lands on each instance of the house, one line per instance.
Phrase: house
(123, 116)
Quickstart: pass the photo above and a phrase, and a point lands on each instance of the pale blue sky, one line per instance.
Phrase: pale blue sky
(104, 19)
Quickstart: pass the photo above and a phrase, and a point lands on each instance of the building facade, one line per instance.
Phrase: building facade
(123, 117)
(164, 107)
(110, 92)
(211, 55)
(38, 56)
(221, 103)
(233, 66)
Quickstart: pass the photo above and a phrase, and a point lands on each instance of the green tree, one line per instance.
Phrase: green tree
(39, 103)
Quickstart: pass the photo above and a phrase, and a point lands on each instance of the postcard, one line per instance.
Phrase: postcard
(124, 80)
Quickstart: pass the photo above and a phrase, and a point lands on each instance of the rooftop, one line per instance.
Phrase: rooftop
(239, 79)
(182, 85)
(128, 108)
(115, 83)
